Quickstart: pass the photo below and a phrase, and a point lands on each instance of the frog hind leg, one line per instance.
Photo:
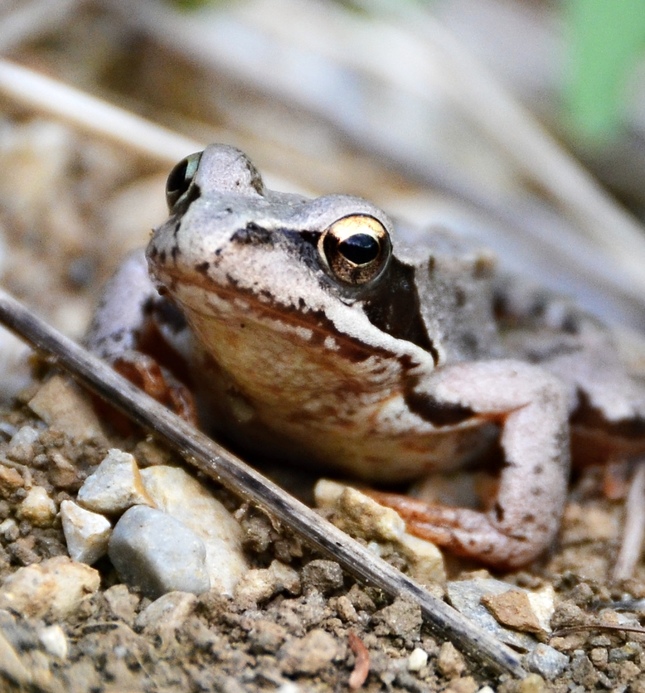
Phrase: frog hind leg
(530, 406)
(139, 333)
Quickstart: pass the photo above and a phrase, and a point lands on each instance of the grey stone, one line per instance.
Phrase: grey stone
(158, 554)
(546, 661)
(180, 495)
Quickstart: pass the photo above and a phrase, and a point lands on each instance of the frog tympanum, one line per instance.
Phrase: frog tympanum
(311, 333)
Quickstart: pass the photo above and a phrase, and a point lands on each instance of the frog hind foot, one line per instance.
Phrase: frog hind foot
(464, 532)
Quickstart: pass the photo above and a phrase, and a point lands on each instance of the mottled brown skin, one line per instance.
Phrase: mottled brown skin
(311, 333)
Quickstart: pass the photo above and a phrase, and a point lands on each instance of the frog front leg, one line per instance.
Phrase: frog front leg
(142, 335)
(530, 407)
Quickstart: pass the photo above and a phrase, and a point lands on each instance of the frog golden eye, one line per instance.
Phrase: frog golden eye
(355, 248)
(180, 178)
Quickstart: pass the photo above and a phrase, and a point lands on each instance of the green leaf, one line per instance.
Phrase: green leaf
(607, 37)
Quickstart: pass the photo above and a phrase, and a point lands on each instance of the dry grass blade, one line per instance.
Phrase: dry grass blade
(634, 529)
(211, 459)
(93, 115)
(567, 630)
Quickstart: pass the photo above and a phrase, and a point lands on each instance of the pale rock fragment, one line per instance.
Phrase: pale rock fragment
(257, 586)
(450, 662)
(522, 609)
(21, 445)
(53, 589)
(417, 660)
(37, 507)
(308, 655)
(166, 614)
(285, 578)
(425, 560)
(157, 553)
(346, 610)
(62, 473)
(181, 496)
(62, 404)
(54, 640)
(543, 604)
(513, 609)
(362, 517)
(86, 533)
(114, 486)
(533, 683)
(9, 530)
(121, 603)
(358, 514)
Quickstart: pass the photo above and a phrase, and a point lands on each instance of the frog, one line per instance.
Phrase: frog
(307, 330)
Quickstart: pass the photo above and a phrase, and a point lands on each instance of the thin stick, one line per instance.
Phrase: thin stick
(213, 460)
(93, 115)
(634, 529)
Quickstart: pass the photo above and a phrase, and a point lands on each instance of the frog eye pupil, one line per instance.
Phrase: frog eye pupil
(355, 249)
(360, 248)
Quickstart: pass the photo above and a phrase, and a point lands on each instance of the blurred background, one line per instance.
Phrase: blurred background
(518, 123)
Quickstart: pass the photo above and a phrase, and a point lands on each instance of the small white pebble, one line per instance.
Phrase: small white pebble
(26, 435)
(86, 533)
(9, 529)
(486, 689)
(53, 639)
(37, 507)
(289, 687)
(417, 660)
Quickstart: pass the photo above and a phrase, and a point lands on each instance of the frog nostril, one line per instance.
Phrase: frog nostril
(253, 234)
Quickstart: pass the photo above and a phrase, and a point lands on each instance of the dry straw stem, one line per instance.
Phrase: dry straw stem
(93, 115)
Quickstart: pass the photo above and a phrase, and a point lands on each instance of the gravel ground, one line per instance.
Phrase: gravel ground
(308, 633)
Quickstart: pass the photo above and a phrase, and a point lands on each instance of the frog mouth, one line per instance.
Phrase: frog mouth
(207, 299)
